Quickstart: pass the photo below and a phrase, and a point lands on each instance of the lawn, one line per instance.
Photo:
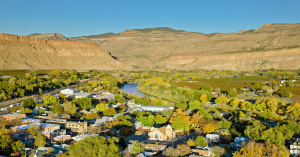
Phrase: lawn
(14, 72)
(223, 83)
(21, 72)
(294, 90)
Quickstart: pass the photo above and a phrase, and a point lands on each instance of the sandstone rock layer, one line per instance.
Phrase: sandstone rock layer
(270, 46)
(20, 52)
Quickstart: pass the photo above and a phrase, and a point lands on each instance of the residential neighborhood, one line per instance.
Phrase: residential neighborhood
(211, 123)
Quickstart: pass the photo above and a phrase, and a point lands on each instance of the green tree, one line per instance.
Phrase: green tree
(69, 107)
(160, 119)
(40, 140)
(255, 129)
(84, 103)
(286, 94)
(28, 103)
(25, 110)
(137, 148)
(183, 106)
(50, 100)
(110, 112)
(232, 93)
(40, 91)
(147, 121)
(91, 116)
(5, 140)
(18, 146)
(193, 105)
(33, 130)
(94, 146)
(111, 102)
(102, 107)
(181, 123)
(200, 141)
(207, 88)
(224, 124)
(122, 142)
(57, 108)
(121, 100)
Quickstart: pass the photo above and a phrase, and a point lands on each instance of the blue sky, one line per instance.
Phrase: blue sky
(89, 17)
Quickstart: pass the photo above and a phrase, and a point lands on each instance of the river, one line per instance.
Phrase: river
(131, 88)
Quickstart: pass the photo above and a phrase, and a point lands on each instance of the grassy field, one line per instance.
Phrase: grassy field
(294, 90)
(14, 72)
(21, 72)
(223, 83)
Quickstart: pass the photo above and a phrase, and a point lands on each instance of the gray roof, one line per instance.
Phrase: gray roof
(151, 106)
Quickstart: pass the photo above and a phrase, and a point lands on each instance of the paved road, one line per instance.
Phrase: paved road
(38, 96)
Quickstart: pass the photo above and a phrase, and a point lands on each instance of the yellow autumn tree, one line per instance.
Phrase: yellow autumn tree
(203, 98)
(210, 127)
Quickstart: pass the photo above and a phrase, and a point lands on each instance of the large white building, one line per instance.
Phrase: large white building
(156, 108)
(67, 91)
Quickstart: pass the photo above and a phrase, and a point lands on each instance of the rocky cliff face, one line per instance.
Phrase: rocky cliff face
(270, 46)
(20, 52)
(49, 36)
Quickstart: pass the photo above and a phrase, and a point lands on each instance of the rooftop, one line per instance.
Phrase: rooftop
(151, 106)
(61, 136)
(22, 127)
(32, 120)
(82, 94)
(48, 132)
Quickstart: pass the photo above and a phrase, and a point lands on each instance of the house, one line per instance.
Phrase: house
(30, 120)
(67, 91)
(238, 141)
(144, 128)
(13, 116)
(59, 149)
(212, 138)
(83, 136)
(131, 103)
(41, 151)
(43, 127)
(156, 108)
(202, 151)
(155, 147)
(82, 95)
(47, 126)
(74, 126)
(22, 129)
(62, 138)
(162, 134)
(49, 134)
(295, 148)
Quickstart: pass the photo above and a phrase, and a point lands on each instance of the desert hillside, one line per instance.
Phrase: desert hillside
(20, 52)
(270, 46)
(49, 36)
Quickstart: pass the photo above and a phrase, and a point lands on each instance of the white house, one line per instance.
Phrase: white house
(215, 138)
(67, 91)
(156, 108)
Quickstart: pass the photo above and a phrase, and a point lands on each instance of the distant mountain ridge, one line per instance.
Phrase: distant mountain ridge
(270, 46)
(22, 52)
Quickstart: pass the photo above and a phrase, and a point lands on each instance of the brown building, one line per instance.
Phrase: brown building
(43, 127)
(62, 138)
(162, 134)
(13, 116)
(80, 127)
